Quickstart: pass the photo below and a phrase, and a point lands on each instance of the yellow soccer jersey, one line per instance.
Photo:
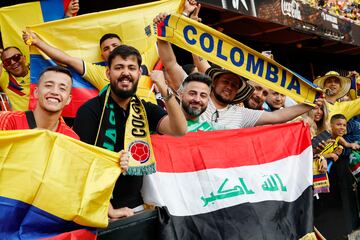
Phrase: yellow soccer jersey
(349, 108)
(17, 89)
(96, 75)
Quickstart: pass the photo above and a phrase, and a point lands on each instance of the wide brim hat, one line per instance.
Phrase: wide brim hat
(245, 89)
(344, 82)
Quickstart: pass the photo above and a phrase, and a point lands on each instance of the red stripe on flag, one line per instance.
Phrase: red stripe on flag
(320, 178)
(353, 168)
(230, 148)
(79, 97)
(74, 235)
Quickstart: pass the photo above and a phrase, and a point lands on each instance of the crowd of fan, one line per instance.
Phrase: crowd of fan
(346, 9)
(231, 102)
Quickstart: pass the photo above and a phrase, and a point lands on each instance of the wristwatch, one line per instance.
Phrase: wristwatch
(170, 93)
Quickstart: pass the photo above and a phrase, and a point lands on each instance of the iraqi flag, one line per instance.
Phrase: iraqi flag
(251, 183)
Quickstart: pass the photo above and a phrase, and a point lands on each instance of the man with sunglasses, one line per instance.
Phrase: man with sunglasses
(15, 78)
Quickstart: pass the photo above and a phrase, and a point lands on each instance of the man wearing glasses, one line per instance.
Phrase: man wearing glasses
(15, 78)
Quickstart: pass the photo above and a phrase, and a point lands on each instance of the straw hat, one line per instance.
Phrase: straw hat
(344, 82)
(245, 89)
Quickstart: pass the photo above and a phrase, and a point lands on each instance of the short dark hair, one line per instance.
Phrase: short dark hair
(124, 51)
(7, 48)
(197, 77)
(336, 117)
(108, 36)
(56, 69)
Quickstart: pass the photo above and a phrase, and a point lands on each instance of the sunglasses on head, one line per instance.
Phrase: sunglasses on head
(15, 58)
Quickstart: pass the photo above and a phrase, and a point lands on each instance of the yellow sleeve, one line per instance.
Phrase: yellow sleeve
(96, 75)
(4, 79)
(349, 108)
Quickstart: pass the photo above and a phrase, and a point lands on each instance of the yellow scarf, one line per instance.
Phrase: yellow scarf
(230, 54)
(137, 135)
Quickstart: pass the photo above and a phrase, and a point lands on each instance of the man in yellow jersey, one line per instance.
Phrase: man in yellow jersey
(15, 78)
(336, 87)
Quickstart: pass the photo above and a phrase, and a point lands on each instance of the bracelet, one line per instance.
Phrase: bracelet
(169, 95)
(185, 14)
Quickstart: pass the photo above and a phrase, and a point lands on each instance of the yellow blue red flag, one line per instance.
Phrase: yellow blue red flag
(14, 19)
(51, 184)
(79, 37)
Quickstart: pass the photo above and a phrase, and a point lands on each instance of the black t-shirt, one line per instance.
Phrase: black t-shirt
(127, 189)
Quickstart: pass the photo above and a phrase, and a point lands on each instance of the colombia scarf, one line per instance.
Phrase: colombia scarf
(320, 179)
(137, 135)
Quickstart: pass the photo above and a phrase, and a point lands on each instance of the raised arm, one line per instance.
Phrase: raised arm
(346, 144)
(174, 123)
(201, 64)
(286, 114)
(168, 58)
(54, 53)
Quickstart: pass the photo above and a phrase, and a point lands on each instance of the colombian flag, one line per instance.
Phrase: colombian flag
(51, 184)
(79, 37)
(14, 19)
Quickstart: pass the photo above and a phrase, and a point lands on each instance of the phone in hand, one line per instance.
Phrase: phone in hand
(323, 136)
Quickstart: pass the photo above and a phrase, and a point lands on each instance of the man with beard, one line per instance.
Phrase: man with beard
(102, 121)
(194, 98)
(15, 78)
(257, 98)
(194, 101)
(228, 89)
(52, 93)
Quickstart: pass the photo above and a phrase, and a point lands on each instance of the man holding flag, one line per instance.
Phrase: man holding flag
(117, 119)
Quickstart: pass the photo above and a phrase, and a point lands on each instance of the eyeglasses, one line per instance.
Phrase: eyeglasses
(16, 58)
(215, 116)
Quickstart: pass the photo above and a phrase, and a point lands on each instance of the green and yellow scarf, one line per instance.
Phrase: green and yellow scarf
(137, 139)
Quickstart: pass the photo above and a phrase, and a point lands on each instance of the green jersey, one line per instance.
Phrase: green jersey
(194, 126)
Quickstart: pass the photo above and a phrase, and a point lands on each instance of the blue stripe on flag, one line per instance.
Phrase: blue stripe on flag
(20, 220)
(38, 64)
(52, 10)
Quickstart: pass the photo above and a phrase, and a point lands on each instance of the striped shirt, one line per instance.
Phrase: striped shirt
(231, 117)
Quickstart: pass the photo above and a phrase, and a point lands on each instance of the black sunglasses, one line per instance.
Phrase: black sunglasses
(16, 58)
